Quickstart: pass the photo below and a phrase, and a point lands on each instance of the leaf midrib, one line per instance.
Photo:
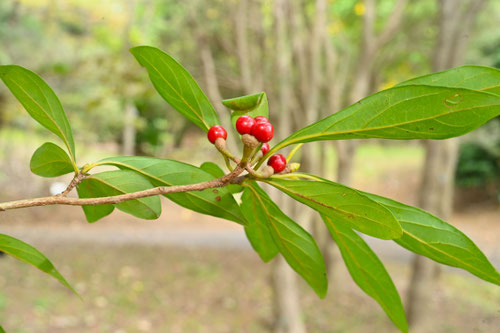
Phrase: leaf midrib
(124, 192)
(285, 189)
(175, 90)
(361, 269)
(64, 138)
(311, 136)
(193, 194)
(284, 242)
(448, 255)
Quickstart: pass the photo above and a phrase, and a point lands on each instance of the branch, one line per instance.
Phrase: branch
(74, 183)
(230, 178)
(393, 24)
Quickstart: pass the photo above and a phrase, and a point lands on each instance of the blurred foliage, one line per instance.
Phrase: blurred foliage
(81, 48)
(479, 158)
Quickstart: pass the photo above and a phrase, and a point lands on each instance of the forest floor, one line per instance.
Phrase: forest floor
(187, 272)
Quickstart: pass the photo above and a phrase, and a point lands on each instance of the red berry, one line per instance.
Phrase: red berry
(216, 132)
(277, 162)
(263, 132)
(265, 148)
(244, 124)
(261, 119)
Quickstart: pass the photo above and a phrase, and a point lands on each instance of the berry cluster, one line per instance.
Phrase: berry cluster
(258, 127)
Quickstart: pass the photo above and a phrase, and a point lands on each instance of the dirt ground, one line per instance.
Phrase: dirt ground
(186, 272)
(190, 273)
(165, 289)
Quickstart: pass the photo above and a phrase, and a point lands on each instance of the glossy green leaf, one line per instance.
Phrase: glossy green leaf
(343, 204)
(427, 235)
(469, 77)
(212, 169)
(250, 105)
(403, 113)
(217, 172)
(88, 189)
(40, 101)
(174, 83)
(50, 161)
(117, 182)
(295, 244)
(368, 271)
(32, 256)
(162, 172)
(257, 230)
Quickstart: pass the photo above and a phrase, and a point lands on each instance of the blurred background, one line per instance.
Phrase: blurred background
(191, 273)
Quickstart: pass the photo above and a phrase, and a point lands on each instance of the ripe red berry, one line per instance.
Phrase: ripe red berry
(263, 132)
(265, 148)
(261, 119)
(277, 162)
(244, 124)
(216, 132)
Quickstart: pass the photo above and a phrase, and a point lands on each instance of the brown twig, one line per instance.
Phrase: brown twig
(74, 183)
(230, 178)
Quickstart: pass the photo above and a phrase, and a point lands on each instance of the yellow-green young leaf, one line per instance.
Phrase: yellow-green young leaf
(469, 77)
(162, 172)
(295, 244)
(50, 161)
(343, 204)
(117, 182)
(368, 271)
(40, 101)
(404, 113)
(427, 235)
(257, 230)
(217, 172)
(174, 83)
(32, 256)
(250, 105)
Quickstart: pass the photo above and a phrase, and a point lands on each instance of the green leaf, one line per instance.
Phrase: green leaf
(368, 271)
(117, 182)
(40, 101)
(427, 235)
(32, 256)
(343, 204)
(174, 83)
(217, 172)
(250, 105)
(469, 77)
(162, 172)
(257, 230)
(88, 189)
(212, 169)
(295, 244)
(50, 161)
(404, 113)
(1, 330)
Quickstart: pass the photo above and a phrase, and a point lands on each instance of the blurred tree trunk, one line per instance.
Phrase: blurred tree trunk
(211, 79)
(287, 311)
(334, 102)
(212, 88)
(313, 157)
(129, 132)
(243, 47)
(2, 112)
(436, 194)
(370, 45)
